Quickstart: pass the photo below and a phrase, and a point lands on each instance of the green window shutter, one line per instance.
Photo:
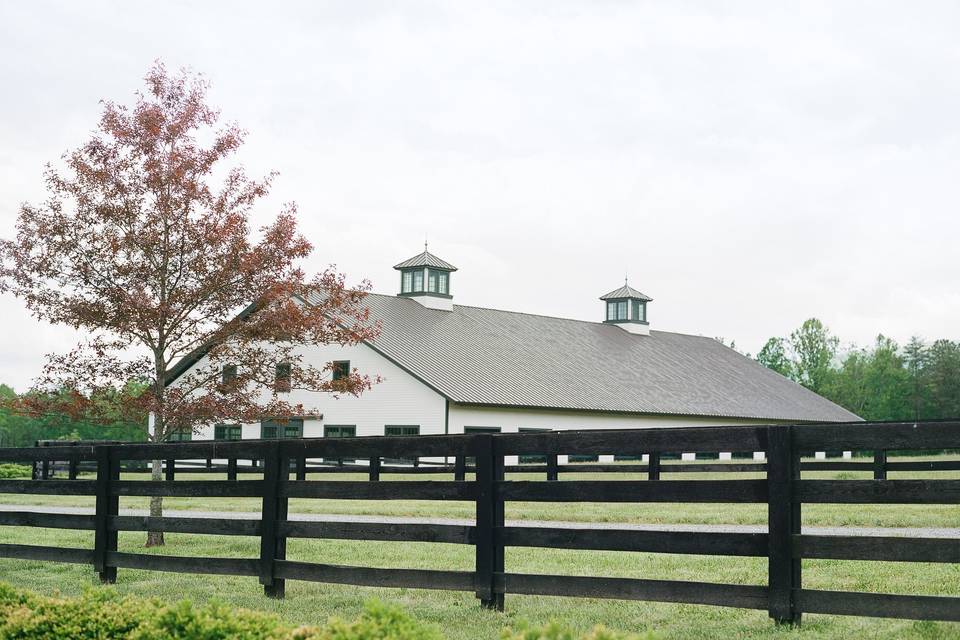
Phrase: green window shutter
(401, 430)
(268, 429)
(339, 431)
(291, 428)
(226, 432)
(180, 435)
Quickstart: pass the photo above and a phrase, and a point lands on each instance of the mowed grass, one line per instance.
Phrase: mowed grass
(459, 614)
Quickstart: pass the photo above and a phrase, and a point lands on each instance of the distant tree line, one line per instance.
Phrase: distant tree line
(885, 381)
(20, 428)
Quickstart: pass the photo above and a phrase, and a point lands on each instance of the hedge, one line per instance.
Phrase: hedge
(10, 471)
(102, 613)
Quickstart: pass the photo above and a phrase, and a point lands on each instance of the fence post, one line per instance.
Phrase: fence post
(553, 467)
(460, 469)
(72, 469)
(783, 523)
(374, 468)
(489, 516)
(107, 504)
(231, 468)
(880, 464)
(302, 468)
(171, 469)
(275, 469)
(499, 521)
(45, 470)
(653, 466)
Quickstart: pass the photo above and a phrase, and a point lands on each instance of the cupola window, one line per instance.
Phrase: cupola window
(617, 310)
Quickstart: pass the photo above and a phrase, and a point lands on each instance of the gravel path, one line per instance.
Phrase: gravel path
(909, 532)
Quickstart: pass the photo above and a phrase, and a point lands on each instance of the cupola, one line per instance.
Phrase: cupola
(627, 308)
(426, 279)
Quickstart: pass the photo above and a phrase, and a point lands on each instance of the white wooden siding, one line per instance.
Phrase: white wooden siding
(400, 399)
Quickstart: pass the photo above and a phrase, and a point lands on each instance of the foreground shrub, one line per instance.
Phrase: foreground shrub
(102, 613)
(9, 471)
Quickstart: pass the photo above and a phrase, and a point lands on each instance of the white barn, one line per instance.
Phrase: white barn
(450, 368)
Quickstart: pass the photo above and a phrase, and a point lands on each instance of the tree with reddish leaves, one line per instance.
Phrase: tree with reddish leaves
(145, 250)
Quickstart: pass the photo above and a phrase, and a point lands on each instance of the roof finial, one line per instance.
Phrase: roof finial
(424, 243)
(624, 277)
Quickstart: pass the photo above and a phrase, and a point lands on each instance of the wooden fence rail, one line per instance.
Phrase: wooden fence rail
(783, 489)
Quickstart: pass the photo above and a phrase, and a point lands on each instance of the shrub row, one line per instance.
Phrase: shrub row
(10, 471)
(102, 613)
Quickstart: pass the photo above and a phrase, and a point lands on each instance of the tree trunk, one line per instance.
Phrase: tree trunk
(155, 538)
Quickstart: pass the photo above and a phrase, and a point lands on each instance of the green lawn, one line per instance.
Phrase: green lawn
(459, 614)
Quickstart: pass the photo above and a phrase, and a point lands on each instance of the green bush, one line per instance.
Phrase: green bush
(102, 613)
(8, 471)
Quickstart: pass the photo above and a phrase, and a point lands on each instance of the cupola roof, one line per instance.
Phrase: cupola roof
(425, 259)
(626, 291)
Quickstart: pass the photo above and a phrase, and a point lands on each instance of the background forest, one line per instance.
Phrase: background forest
(884, 381)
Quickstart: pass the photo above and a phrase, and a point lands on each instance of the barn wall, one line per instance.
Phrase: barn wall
(400, 399)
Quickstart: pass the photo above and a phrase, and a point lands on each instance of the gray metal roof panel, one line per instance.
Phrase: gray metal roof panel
(425, 259)
(483, 356)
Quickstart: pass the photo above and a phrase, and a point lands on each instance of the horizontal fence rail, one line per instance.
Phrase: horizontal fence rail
(285, 469)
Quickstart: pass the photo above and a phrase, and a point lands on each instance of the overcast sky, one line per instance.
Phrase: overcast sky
(749, 167)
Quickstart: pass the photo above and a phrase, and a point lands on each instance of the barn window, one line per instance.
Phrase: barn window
(228, 373)
(226, 432)
(341, 369)
(282, 378)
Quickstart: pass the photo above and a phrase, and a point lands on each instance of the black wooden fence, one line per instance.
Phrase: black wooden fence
(783, 490)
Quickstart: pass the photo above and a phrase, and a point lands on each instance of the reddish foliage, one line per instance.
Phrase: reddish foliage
(140, 246)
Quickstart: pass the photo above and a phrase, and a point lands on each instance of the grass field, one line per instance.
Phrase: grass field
(459, 614)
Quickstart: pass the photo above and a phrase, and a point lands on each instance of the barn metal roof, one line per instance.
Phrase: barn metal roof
(480, 356)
